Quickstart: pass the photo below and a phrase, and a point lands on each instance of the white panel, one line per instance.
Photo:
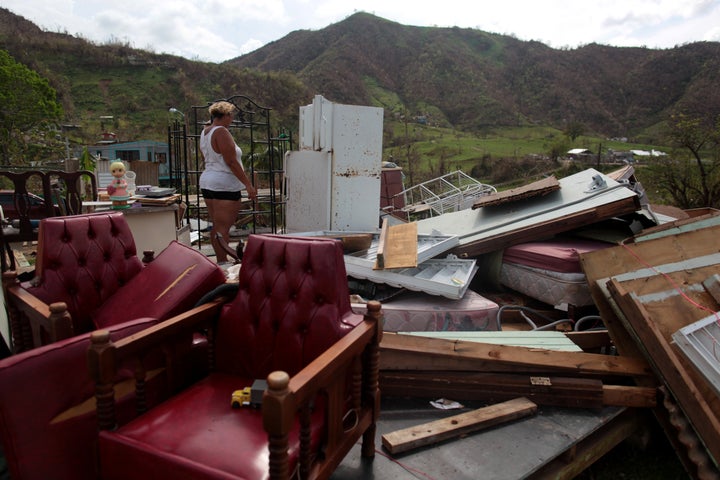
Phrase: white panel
(323, 123)
(307, 175)
(356, 167)
(306, 128)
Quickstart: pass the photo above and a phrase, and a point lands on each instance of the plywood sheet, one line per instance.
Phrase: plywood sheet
(535, 189)
(398, 246)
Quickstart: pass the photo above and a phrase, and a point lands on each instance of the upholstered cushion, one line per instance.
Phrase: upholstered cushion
(171, 284)
(196, 435)
(82, 261)
(278, 320)
(48, 428)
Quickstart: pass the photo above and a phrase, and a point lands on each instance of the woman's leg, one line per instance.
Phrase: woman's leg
(223, 214)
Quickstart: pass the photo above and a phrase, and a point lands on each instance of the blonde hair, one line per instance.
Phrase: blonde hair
(117, 164)
(219, 109)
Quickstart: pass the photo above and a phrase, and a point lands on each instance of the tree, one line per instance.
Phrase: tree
(27, 104)
(573, 130)
(695, 181)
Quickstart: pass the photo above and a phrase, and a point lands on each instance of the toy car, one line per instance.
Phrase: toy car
(240, 398)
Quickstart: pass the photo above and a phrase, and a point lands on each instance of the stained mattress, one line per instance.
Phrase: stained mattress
(549, 271)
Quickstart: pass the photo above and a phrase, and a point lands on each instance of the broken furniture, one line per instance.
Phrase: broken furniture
(291, 323)
(88, 276)
(333, 181)
(583, 198)
(448, 193)
(647, 290)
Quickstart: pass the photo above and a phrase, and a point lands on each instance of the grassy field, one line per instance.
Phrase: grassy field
(426, 152)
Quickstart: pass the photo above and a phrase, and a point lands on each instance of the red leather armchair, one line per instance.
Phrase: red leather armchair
(88, 276)
(290, 323)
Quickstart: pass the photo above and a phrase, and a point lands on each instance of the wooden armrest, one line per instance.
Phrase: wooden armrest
(104, 355)
(354, 356)
(324, 370)
(40, 317)
(152, 336)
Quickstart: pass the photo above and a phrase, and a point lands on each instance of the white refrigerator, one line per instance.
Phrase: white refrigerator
(333, 180)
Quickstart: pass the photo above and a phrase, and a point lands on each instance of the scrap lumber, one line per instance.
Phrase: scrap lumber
(468, 355)
(495, 387)
(433, 432)
(534, 189)
(693, 394)
(668, 244)
(397, 246)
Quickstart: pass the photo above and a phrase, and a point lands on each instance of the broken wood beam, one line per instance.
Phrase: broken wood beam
(422, 352)
(543, 390)
(433, 432)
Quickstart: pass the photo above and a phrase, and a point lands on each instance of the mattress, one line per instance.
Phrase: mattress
(549, 271)
(554, 288)
(420, 312)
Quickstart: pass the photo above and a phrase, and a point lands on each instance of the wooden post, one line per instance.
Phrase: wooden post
(371, 385)
(101, 365)
(19, 331)
(278, 416)
(60, 324)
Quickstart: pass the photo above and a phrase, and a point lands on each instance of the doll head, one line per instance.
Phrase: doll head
(117, 169)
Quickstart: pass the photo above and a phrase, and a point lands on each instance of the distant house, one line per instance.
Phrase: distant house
(579, 153)
(139, 151)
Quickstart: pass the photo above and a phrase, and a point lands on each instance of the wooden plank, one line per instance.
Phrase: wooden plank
(629, 396)
(581, 363)
(495, 387)
(397, 246)
(534, 189)
(457, 425)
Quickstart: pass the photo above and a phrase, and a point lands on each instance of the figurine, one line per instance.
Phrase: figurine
(118, 187)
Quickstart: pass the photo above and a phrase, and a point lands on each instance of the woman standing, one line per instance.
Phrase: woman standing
(224, 177)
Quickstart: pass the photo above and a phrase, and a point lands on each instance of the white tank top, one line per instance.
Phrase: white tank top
(217, 175)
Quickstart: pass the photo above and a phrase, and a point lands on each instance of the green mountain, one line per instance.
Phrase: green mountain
(472, 79)
(460, 78)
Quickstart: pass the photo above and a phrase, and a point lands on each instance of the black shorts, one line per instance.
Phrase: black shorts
(219, 195)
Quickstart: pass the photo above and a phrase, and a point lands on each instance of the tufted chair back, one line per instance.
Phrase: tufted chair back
(292, 304)
(83, 260)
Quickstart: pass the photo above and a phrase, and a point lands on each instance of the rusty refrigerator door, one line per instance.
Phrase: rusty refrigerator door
(333, 181)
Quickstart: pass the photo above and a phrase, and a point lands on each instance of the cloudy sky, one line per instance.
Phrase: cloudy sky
(214, 30)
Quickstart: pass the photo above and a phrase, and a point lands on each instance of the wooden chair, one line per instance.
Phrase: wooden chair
(69, 189)
(290, 324)
(22, 224)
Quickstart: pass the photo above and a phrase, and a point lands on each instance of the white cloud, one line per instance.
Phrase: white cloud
(217, 30)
